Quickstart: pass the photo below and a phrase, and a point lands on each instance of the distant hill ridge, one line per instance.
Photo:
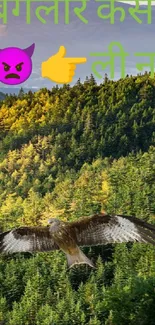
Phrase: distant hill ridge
(2, 95)
(15, 90)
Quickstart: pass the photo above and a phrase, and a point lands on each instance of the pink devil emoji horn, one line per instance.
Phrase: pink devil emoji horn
(29, 50)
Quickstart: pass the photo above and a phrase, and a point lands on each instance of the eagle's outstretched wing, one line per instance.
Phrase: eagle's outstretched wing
(27, 239)
(102, 229)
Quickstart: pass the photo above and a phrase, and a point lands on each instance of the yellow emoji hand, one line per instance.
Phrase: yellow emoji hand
(60, 69)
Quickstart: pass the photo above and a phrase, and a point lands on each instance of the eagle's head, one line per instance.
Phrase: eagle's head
(53, 220)
(54, 223)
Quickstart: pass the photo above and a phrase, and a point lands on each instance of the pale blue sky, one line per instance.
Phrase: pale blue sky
(79, 39)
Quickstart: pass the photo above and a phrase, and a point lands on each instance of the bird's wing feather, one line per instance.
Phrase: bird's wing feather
(27, 239)
(103, 229)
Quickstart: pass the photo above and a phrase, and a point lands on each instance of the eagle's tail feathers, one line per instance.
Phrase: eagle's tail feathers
(78, 258)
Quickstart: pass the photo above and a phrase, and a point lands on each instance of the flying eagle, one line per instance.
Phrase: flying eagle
(99, 229)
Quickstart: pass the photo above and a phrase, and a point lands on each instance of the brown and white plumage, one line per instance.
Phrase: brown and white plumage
(95, 230)
(104, 229)
(27, 239)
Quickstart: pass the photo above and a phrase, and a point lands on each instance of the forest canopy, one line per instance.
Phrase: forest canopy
(69, 152)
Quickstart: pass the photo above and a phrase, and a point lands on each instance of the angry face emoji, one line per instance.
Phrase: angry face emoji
(15, 64)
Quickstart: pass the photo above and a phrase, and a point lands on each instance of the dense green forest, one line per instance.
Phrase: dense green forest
(69, 152)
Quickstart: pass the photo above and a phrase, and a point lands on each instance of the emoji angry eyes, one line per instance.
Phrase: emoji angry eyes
(7, 67)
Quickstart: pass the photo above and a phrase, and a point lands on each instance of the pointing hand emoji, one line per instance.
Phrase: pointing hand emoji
(60, 69)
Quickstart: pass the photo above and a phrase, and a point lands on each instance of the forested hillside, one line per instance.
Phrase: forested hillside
(69, 152)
